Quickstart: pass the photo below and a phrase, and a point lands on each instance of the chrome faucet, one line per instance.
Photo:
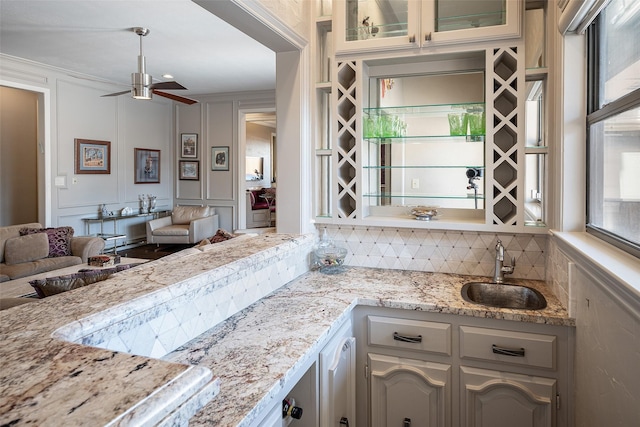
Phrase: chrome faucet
(502, 269)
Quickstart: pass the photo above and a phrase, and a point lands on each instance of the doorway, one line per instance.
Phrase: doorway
(258, 169)
(21, 157)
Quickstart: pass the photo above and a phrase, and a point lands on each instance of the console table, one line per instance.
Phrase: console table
(101, 219)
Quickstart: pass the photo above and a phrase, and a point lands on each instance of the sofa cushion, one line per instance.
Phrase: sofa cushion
(172, 230)
(26, 248)
(43, 265)
(186, 214)
(59, 239)
(10, 231)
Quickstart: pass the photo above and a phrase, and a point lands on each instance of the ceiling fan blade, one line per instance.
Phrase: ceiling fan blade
(167, 85)
(118, 93)
(175, 97)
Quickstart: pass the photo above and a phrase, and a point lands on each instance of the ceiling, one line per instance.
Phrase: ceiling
(95, 38)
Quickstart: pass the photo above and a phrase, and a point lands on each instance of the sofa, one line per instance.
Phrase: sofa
(186, 224)
(28, 249)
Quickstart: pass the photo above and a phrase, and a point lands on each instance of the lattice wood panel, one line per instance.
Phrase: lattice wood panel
(345, 147)
(504, 161)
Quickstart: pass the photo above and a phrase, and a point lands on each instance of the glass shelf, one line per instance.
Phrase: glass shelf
(463, 22)
(454, 139)
(399, 29)
(422, 167)
(426, 196)
(425, 110)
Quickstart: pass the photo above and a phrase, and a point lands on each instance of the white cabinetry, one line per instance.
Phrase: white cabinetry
(409, 392)
(503, 399)
(368, 25)
(449, 370)
(337, 380)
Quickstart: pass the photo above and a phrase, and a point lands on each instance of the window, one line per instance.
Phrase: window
(613, 121)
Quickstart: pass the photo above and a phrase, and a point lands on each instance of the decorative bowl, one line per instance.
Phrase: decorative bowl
(424, 213)
(330, 259)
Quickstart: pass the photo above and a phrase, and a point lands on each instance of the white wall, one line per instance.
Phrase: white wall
(216, 121)
(77, 110)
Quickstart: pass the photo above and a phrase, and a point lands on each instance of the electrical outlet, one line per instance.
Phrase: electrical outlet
(415, 183)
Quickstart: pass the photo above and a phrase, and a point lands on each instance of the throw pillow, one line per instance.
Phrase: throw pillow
(59, 239)
(26, 248)
(56, 285)
(221, 235)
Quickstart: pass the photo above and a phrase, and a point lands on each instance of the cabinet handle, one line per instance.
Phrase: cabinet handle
(344, 421)
(407, 338)
(508, 351)
(427, 37)
(412, 39)
(406, 422)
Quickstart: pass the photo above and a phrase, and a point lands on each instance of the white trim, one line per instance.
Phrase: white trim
(614, 268)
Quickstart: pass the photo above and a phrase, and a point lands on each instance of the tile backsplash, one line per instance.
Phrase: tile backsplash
(441, 251)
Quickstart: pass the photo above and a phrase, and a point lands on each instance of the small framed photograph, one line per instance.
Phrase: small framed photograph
(92, 156)
(189, 170)
(189, 145)
(219, 158)
(147, 166)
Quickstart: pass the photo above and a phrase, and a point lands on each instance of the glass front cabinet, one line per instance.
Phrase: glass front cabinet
(446, 126)
(384, 24)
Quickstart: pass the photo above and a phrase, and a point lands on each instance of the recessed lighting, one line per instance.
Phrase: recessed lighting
(167, 76)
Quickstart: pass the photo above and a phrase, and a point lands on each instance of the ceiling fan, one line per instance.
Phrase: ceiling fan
(141, 82)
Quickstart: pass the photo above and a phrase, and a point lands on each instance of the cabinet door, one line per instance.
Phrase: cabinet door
(496, 399)
(375, 24)
(408, 392)
(338, 379)
(456, 21)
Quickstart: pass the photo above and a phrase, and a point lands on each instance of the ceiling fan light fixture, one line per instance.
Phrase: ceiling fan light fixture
(140, 85)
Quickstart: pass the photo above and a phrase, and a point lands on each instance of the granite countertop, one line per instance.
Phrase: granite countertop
(256, 351)
(44, 380)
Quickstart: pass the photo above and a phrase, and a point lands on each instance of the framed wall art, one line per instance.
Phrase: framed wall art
(147, 166)
(219, 158)
(92, 156)
(189, 145)
(189, 170)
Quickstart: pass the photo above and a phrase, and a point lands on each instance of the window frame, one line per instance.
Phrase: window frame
(595, 115)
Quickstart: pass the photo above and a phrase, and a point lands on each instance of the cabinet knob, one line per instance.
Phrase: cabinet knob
(406, 422)
(344, 421)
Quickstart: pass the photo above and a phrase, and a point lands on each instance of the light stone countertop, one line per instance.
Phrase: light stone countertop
(255, 352)
(47, 381)
(44, 380)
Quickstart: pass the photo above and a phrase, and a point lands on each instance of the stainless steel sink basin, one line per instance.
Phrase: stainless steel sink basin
(503, 295)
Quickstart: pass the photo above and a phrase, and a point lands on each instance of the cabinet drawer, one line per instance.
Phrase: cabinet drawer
(409, 334)
(519, 348)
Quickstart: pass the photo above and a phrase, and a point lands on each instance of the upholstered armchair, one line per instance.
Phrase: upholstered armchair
(186, 224)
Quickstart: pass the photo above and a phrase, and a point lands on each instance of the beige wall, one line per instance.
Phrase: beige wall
(18, 156)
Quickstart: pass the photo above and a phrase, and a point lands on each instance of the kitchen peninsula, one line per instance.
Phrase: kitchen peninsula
(224, 375)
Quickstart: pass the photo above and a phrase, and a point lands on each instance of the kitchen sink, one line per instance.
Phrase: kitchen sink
(503, 295)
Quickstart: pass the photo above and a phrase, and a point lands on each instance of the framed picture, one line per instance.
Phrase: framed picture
(92, 156)
(147, 166)
(189, 170)
(219, 158)
(189, 145)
